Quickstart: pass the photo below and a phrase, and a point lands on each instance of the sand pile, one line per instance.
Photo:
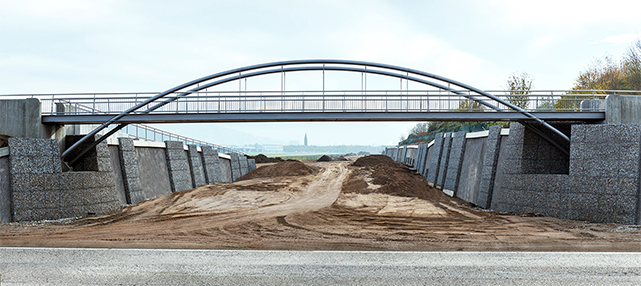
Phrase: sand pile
(384, 175)
(324, 158)
(285, 168)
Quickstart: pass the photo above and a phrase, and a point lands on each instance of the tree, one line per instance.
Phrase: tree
(470, 105)
(601, 74)
(519, 86)
(608, 74)
(632, 67)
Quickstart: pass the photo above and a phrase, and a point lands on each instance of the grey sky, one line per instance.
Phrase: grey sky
(121, 46)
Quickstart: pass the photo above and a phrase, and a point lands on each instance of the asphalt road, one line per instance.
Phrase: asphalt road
(73, 266)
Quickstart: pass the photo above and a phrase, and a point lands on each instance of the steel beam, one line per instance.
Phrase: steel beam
(323, 116)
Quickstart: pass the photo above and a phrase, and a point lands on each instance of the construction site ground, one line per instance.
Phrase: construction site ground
(372, 203)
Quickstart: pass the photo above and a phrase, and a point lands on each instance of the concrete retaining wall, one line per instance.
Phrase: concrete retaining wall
(40, 190)
(33, 186)
(522, 173)
(602, 185)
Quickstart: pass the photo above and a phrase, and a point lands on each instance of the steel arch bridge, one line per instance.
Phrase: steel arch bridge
(193, 101)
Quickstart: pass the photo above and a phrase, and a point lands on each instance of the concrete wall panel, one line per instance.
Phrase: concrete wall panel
(178, 166)
(489, 165)
(5, 191)
(470, 176)
(130, 171)
(115, 166)
(196, 166)
(435, 158)
(225, 168)
(212, 165)
(154, 174)
(235, 167)
(457, 151)
(445, 156)
(244, 165)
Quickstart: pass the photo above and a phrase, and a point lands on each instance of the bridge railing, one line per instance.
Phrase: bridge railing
(53, 104)
(320, 101)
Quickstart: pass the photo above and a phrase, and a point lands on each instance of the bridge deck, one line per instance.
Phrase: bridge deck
(322, 116)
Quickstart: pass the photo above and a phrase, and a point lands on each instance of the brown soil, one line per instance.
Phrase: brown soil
(324, 158)
(381, 174)
(260, 158)
(335, 207)
(285, 168)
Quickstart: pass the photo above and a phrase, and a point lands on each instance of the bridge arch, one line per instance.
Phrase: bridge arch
(216, 79)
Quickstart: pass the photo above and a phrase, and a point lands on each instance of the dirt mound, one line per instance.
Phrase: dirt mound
(260, 158)
(373, 160)
(341, 158)
(324, 158)
(285, 168)
(384, 175)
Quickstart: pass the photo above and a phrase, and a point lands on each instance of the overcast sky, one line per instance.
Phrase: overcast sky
(125, 46)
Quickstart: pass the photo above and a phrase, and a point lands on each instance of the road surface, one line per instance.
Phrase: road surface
(73, 266)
